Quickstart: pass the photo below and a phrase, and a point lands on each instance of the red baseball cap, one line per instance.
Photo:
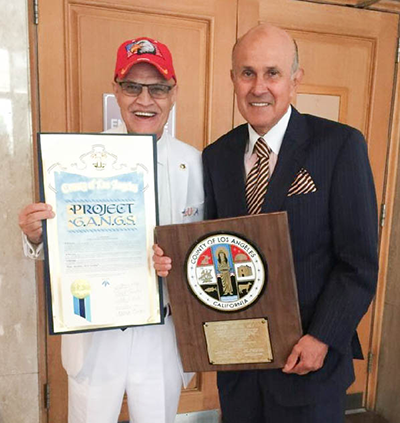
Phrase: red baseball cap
(144, 50)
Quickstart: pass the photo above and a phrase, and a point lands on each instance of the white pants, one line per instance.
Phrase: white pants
(142, 361)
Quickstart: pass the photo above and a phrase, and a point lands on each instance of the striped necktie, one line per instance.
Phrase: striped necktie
(258, 178)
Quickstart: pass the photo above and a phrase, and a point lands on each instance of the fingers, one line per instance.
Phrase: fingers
(34, 207)
(162, 264)
(30, 220)
(303, 367)
(157, 250)
(162, 273)
(309, 354)
(292, 360)
(35, 212)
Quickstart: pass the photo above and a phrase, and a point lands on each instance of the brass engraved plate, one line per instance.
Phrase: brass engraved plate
(238, 341)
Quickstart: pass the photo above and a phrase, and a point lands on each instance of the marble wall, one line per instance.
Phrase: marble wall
(18, 304)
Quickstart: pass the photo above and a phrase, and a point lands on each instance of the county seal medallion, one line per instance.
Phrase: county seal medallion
(225, 272)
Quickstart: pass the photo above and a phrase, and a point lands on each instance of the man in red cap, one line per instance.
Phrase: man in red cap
(141, 361)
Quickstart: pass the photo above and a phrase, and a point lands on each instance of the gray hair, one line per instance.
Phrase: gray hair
(295, 64)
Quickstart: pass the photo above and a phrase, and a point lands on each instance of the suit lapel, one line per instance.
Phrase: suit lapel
(234, 169)
(290, 160)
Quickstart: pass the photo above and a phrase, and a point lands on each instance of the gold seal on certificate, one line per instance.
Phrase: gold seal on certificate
(102, 188)
(80, 288)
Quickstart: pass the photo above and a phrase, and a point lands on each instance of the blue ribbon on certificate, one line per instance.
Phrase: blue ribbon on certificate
(82, 308)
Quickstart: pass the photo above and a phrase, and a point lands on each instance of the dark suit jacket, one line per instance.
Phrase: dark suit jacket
(333, 233)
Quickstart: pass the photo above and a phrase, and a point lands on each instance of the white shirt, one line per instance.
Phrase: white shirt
(273, 138)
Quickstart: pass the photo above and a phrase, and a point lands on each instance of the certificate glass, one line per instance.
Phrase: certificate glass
(98, 247)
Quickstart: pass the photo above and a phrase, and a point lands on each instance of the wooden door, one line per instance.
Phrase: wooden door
(349, 60)
(77, 43)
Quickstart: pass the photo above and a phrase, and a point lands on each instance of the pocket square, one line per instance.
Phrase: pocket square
(303, 184)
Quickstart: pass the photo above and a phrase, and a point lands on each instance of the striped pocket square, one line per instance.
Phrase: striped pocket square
(303, 184)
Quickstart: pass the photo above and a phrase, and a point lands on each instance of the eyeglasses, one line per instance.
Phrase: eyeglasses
(134, 89)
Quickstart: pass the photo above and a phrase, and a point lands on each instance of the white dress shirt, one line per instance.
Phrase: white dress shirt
(273, 138)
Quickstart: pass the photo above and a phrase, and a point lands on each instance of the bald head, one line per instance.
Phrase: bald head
(275, 34)
(265, 75)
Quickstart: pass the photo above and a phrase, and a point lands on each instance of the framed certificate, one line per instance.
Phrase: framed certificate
(98, 267)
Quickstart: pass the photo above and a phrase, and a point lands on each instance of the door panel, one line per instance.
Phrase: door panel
(77, 67)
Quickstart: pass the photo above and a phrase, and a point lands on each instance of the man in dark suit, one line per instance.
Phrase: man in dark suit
(317, 171)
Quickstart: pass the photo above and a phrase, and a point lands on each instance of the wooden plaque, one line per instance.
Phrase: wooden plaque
(233, 292)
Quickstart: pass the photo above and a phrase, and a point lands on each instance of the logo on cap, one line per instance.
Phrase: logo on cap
(141, 47)
(144, 50)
